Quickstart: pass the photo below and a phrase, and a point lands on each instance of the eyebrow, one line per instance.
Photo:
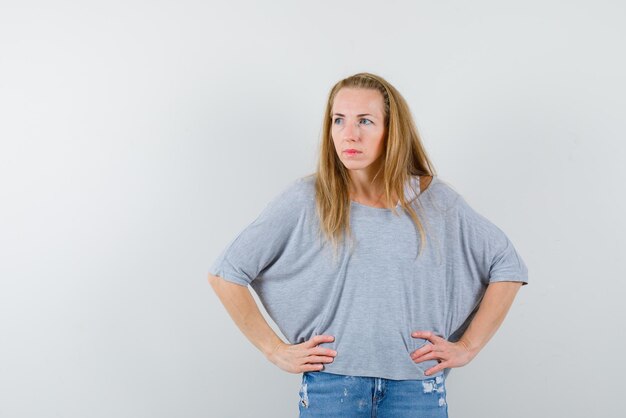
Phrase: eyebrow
(362, 114)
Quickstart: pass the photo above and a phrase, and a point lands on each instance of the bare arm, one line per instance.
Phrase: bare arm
(294, 358)
(494, 306)
(244, 311)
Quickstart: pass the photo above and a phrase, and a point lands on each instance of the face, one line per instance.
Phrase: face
(358, 124)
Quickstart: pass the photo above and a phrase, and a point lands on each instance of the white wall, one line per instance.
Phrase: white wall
(137, 137)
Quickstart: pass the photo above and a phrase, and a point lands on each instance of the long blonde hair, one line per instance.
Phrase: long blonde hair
(403, 156)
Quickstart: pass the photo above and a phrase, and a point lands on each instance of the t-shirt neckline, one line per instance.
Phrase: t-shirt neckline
(416, 181)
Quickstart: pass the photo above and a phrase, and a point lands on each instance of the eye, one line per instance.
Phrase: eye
(369, 122)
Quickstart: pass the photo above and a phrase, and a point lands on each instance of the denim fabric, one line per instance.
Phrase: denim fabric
(332, 395)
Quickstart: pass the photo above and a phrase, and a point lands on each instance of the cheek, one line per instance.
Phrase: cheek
(380, 140)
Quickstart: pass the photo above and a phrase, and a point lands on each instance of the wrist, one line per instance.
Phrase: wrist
(472, 349)
(270, 350)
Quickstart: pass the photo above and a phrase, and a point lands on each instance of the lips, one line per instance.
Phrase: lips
(352, 151)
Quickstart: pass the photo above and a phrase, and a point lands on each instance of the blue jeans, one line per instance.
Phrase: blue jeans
(331, 395)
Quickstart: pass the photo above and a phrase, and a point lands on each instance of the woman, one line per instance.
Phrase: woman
(381, 277)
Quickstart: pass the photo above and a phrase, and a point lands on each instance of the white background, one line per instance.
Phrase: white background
(137, 137)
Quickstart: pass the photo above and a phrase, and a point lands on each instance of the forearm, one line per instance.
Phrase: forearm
(493, 308)
(244, 311)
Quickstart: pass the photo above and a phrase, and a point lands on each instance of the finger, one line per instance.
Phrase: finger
(319, 359)
(319, 339)
(436, 368)
(311, 367)
(321, 351)
(430, 356)
(427, 335)
(426, 348)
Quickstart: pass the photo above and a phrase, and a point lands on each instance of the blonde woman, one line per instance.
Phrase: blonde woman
(381, 277)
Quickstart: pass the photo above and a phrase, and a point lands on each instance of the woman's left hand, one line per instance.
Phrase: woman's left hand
(448, 354)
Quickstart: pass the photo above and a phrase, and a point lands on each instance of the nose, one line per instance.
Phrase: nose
(351, 131)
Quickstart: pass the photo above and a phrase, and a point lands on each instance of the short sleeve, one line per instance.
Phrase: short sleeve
(490, 251)
(507, 265)
(261, 242)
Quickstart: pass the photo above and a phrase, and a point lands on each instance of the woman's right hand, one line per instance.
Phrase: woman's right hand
(303, 357)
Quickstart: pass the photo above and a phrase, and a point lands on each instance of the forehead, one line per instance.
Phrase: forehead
(357, 101)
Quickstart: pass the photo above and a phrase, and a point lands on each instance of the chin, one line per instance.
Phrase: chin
(356, 167)
(355, 164)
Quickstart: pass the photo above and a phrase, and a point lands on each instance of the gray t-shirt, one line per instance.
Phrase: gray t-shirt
(377, 292)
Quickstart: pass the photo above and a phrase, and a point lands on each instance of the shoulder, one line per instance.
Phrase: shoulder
(299, 190)
(305, 185)
(439, 192)
(474, 224)
(293, 196)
